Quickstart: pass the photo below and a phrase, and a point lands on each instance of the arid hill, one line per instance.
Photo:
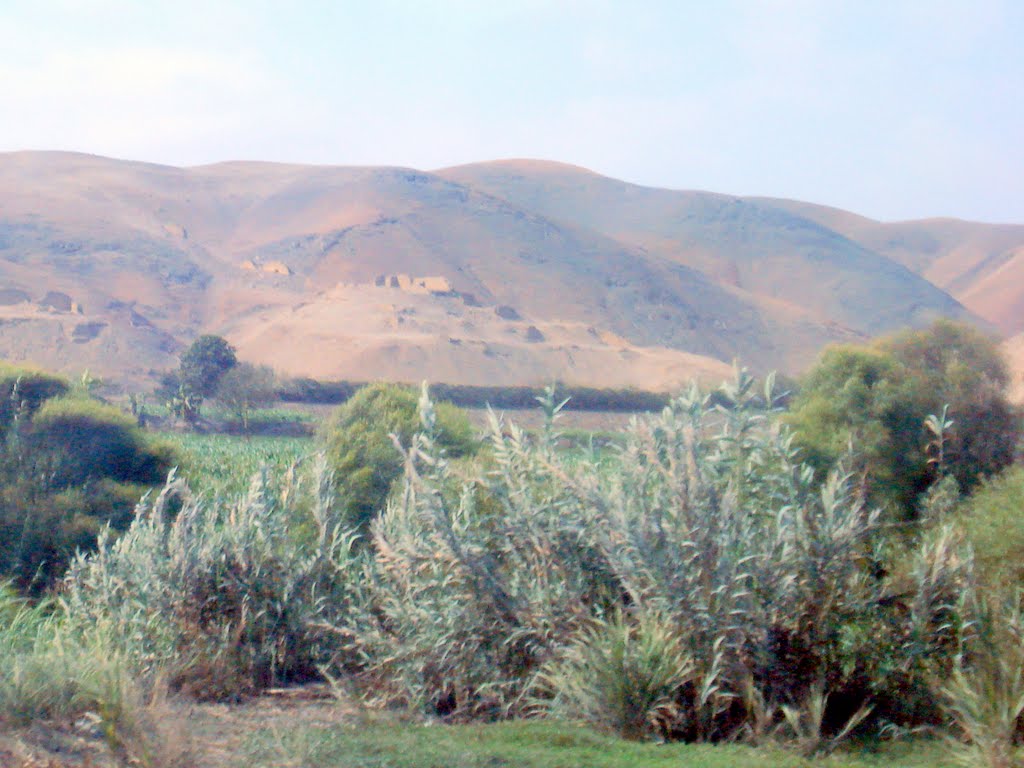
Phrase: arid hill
(981, 265)
(510, 272)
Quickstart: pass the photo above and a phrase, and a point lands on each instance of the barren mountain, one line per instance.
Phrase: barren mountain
(746, 242)
(496, 273)
(981, 265)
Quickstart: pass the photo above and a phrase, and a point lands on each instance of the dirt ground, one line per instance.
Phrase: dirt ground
(197, 735)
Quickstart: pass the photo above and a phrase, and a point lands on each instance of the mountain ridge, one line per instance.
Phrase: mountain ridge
(641, 287)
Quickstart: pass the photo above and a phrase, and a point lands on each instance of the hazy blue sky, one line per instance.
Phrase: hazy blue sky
(892, 109)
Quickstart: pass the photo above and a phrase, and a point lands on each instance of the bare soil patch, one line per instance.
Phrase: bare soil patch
(211, 735)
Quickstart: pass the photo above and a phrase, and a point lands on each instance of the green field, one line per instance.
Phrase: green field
(225, 464)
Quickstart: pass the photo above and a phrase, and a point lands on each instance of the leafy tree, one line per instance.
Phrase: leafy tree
(877, 398)
(360, 450)
(204, 362)
(246, 387)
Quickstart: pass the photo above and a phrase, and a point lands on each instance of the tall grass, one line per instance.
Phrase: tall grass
(52, 670)
(984, 696)
(225, 594)
(769, 578)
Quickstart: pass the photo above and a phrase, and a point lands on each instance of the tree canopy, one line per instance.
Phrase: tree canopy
(203, 364)
(876, 398)
(357, 439)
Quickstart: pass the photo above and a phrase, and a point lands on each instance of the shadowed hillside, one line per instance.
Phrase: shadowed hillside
(981, 265)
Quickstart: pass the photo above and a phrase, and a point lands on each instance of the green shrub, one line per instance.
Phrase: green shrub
(993, 520)
(23, 390)
(78, 439)
(617, 673)
(357, 439)
(67, 468)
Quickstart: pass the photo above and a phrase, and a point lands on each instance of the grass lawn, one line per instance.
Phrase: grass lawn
(383, 743)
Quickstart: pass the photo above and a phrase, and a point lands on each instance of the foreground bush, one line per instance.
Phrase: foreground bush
(703, 585)
(227, 594)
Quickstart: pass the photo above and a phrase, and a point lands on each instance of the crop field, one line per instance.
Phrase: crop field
(225, 464)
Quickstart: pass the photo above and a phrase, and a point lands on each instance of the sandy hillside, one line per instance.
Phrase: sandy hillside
(981, 265)
(501, 272)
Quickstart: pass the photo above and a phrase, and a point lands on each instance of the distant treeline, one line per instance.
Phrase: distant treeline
(468, 396)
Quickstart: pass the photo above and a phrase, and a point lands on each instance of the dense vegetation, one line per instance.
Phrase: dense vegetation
(69, 465)
(729, 572)
(878, 398)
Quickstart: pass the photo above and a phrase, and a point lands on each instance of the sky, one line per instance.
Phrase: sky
(893, 109)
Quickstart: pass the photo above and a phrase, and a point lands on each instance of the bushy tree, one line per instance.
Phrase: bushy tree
(204, 363)
(199, 373)
(357, 439)
(956, 365)
(877, 397)
(68, 465)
